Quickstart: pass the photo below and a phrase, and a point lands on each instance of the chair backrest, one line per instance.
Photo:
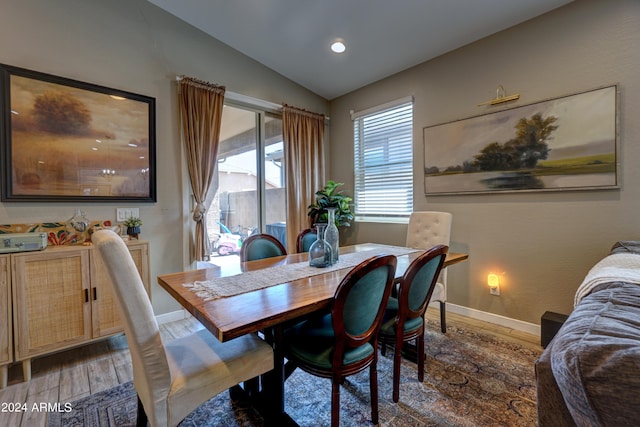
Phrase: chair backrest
(151, 373)
(359, 304)
(261, 246)
(418, 282)
(427, 229)
(305, 239)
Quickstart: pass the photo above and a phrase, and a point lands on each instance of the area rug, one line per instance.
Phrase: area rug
(471, 379)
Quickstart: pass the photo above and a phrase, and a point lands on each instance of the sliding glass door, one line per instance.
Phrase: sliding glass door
(250, 182)
(274, 198)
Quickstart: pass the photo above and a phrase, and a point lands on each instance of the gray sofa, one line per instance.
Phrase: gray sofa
(589, 374)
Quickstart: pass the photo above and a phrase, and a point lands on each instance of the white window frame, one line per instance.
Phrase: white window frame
(393, 140)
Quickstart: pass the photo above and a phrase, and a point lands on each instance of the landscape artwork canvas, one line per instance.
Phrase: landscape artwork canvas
(65, 140)
(566, 143)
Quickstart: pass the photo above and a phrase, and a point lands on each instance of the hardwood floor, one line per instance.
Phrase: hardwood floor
(76, 373)
(503, 332)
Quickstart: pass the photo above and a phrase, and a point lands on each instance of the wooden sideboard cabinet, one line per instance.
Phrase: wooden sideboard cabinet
(62, 297)
(104, 307)
(6, 347)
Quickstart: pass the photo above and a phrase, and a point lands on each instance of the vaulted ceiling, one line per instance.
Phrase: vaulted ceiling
(382, 37)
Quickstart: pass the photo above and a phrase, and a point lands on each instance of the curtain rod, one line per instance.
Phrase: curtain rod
(251, 101)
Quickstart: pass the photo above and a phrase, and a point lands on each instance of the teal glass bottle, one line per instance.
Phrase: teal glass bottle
(331, 235)
(320, 250)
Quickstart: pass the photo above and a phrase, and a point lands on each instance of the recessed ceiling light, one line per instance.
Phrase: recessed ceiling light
(338, 46)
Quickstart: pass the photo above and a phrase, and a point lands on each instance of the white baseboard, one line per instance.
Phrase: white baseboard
(508, 322)
(172, 316)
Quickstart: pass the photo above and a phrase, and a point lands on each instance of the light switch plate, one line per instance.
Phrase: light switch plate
(123, 213)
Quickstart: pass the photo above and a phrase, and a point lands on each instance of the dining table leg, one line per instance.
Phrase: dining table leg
(272, 406)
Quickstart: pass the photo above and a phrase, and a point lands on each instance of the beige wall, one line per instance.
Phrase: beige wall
(543, 242)
(134, 46)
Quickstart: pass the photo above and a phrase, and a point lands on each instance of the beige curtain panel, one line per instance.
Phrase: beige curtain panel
(201, 115)
(303, 133)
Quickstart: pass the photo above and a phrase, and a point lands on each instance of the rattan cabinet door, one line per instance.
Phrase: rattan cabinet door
(51, 304)
(6, 353)
(105, 312)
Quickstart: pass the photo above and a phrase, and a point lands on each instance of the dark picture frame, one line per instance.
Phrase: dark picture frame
(564, 143)
(64, 140)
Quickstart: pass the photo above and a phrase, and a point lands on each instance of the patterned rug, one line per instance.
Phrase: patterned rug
(471, 379)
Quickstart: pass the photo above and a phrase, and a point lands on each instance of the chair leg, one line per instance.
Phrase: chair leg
(397, 362)
(141, 420)
(335, 402)
(420, 350)
(237, 393)
(252, 387)
(443, 319)
(373, 386)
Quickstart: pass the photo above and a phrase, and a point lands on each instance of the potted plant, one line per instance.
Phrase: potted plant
(133, 226)
(330, 197)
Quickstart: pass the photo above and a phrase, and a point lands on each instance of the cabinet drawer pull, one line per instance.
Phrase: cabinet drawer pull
(86, 295)
(95, 293)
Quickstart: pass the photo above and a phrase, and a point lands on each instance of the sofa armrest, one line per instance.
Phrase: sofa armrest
(552, 409)
(594, 357)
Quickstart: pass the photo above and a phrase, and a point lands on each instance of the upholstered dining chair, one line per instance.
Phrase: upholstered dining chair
(427, 229)
(344, 341)
(305, 239)
(260, 246)
(174, 378)
(404, 315)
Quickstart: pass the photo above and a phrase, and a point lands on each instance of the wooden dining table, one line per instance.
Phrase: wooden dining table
(266, 310)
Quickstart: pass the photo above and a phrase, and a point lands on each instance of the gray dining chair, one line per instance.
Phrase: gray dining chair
(174, 378)
(426, 230)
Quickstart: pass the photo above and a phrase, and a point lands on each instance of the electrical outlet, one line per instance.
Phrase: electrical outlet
(123, 213)
(494, 290)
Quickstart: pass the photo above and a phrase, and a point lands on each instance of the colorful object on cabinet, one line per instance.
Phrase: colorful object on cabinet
(57, 232)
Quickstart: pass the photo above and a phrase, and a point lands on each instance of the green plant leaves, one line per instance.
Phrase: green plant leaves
(328, 197)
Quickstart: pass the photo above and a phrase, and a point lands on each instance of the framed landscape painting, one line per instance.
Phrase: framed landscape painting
(66, 140)
(566, 143)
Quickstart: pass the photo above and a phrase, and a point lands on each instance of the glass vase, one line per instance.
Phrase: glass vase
(78, 222)
(320, 250)
(331, 234)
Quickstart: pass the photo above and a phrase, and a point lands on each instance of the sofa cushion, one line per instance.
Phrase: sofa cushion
(595, 357)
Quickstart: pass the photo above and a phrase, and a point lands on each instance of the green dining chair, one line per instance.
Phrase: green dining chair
(305, 239)
(344, 341)
(261, 246)
(404, 315)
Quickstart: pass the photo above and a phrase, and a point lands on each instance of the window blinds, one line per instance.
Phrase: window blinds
(383, 146)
